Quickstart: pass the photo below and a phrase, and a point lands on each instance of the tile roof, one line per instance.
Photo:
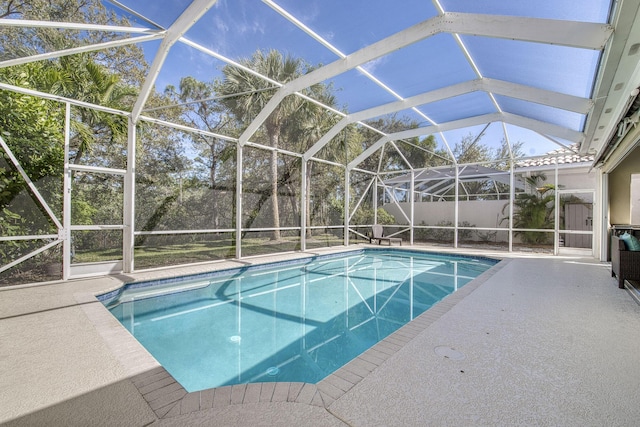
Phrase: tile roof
(567, 155)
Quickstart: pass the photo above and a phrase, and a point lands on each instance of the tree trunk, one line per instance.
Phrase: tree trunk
(79, 154)
(292, 201)
(274, 134)
(212, 182)
(307, 202)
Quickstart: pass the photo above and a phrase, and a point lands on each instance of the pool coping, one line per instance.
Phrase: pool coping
(108, 297)
(167, 398)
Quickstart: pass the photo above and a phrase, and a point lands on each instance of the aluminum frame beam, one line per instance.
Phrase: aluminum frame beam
(63, 99)
(29, 183)
(134, 13)
(514, 119)
(500, 87)
(80, 49)
(566, 33)
(7, 22)
(582, 35)
(295, 21)
(189, 17)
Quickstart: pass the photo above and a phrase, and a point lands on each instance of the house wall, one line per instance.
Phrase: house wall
(577, 179)
(635, 198)
(620, 188)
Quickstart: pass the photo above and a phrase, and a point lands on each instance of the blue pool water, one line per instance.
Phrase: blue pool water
(297, 321)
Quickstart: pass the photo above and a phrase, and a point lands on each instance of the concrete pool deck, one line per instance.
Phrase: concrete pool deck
(535, 341)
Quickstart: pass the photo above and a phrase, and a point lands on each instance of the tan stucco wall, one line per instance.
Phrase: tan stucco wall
(620, 188)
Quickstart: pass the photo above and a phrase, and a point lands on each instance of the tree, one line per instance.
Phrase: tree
(365, 216)
(202, 110)
(81, 77)
(32, 128)
(126, 61)
(108, 77)
(502, 154)
(534, 210)
(415, 151)
(305, 127)
(469, 150)
(424, 153)
(245, 95)
(160, 181)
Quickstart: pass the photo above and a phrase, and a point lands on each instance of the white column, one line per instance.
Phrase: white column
(128, 238)
(556, 220)
(601, 215)
(66, 199)
(346, 206)
(512, 196)
(238, 201)
(303, 206)
(455, 209)
(412, 202)
(375, 198)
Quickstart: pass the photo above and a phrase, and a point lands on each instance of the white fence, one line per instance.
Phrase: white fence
(478, 213)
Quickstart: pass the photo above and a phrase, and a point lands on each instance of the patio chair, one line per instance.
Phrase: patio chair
(378, 234)
(625, 264)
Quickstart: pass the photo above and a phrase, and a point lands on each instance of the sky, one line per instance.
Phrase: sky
(237, 28)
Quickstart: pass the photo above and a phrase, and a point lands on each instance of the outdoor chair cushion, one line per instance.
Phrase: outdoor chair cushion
(630, 241)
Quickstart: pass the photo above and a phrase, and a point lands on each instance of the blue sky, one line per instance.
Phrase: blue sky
(237, 28)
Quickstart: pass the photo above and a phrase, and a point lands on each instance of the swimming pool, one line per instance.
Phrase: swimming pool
(295, 321)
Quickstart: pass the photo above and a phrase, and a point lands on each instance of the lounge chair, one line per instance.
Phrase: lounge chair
(377, 234)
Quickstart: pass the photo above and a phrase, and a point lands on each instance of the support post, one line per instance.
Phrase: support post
(239, 149)
(602, 236)
(128, 240)
(412, 202)
(512, 196)
(66, 199)
(346, 206)
(374, 191)
(303, 207)
(455, 208)
(556, 219)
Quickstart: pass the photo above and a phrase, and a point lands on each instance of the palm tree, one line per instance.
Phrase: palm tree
(309, 123)
(80, 77)
(534, 210)
(251, 97)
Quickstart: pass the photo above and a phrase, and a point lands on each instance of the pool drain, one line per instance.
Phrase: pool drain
(235, 339)
(273, 371)
(448, 352)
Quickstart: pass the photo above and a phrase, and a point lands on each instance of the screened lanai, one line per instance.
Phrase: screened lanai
(144, 134)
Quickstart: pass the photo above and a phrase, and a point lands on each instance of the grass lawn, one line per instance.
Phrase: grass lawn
(160, 255)
(149, 256)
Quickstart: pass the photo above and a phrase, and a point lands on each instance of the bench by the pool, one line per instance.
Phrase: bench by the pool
(378, 234)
